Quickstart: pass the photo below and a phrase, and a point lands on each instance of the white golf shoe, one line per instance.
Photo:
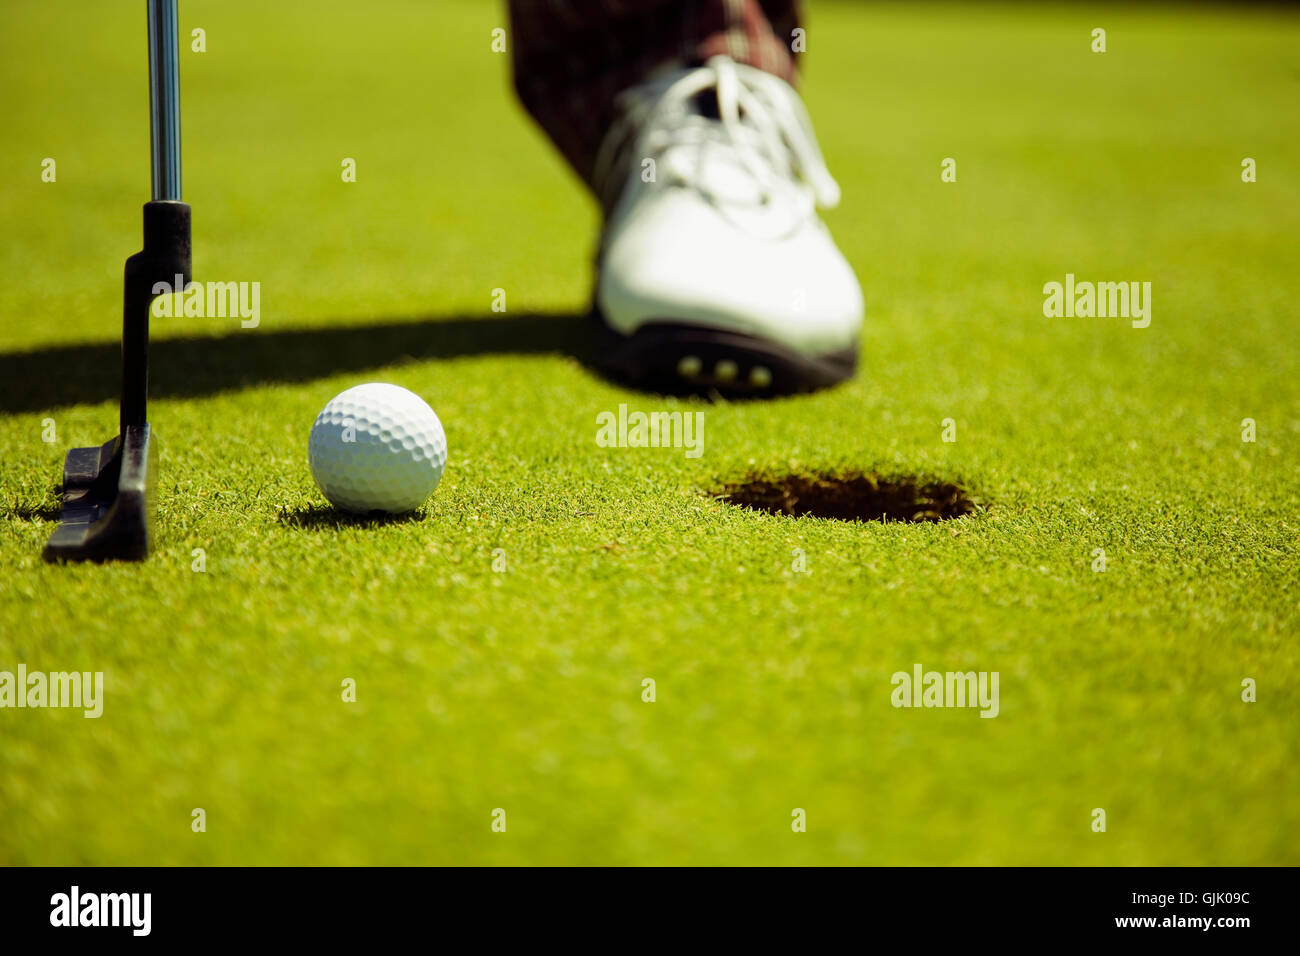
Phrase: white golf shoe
(715, 272)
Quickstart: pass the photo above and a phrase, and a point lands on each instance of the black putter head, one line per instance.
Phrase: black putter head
(107, 500)
(108, 491)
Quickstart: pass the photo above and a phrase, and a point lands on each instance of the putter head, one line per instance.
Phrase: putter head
(107, 501)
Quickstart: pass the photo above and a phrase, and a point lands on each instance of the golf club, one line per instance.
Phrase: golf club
(108, 489)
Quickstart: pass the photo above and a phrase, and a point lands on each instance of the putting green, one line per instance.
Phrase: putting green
(499, 643)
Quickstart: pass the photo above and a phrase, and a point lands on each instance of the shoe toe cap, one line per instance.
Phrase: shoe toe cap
(679, 262)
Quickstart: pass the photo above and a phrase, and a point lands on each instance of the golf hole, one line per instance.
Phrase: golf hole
(852, 497)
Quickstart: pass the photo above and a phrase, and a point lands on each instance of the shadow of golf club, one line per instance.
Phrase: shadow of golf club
(29, 513)
(194, 366)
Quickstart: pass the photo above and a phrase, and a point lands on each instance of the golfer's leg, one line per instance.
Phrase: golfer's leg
(573, 57)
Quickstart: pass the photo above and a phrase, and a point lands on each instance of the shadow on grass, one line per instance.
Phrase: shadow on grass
(323, 518)
(195, 366)
(33, 513)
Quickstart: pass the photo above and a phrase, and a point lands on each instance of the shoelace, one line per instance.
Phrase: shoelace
(762, 124)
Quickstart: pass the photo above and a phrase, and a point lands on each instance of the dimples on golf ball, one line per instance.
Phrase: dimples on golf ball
(377, 447)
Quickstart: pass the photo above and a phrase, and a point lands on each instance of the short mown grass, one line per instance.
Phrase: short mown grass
(501, 641)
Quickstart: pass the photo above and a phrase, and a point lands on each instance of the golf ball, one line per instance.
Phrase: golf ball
(377, 447)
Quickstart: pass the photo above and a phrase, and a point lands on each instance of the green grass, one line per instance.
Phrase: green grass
(522, 690)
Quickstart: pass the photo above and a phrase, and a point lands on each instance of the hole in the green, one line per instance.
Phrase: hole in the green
(852, 497)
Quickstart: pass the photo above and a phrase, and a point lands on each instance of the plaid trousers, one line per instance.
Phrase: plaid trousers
(573, 57)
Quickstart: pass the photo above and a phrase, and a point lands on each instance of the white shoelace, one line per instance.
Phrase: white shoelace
(762, 128)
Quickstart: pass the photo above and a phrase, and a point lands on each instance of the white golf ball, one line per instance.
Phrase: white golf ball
(377, 447)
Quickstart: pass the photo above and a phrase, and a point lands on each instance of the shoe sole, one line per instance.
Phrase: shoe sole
(676, 359)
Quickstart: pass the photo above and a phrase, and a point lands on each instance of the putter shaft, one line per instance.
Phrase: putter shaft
(165, 99)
